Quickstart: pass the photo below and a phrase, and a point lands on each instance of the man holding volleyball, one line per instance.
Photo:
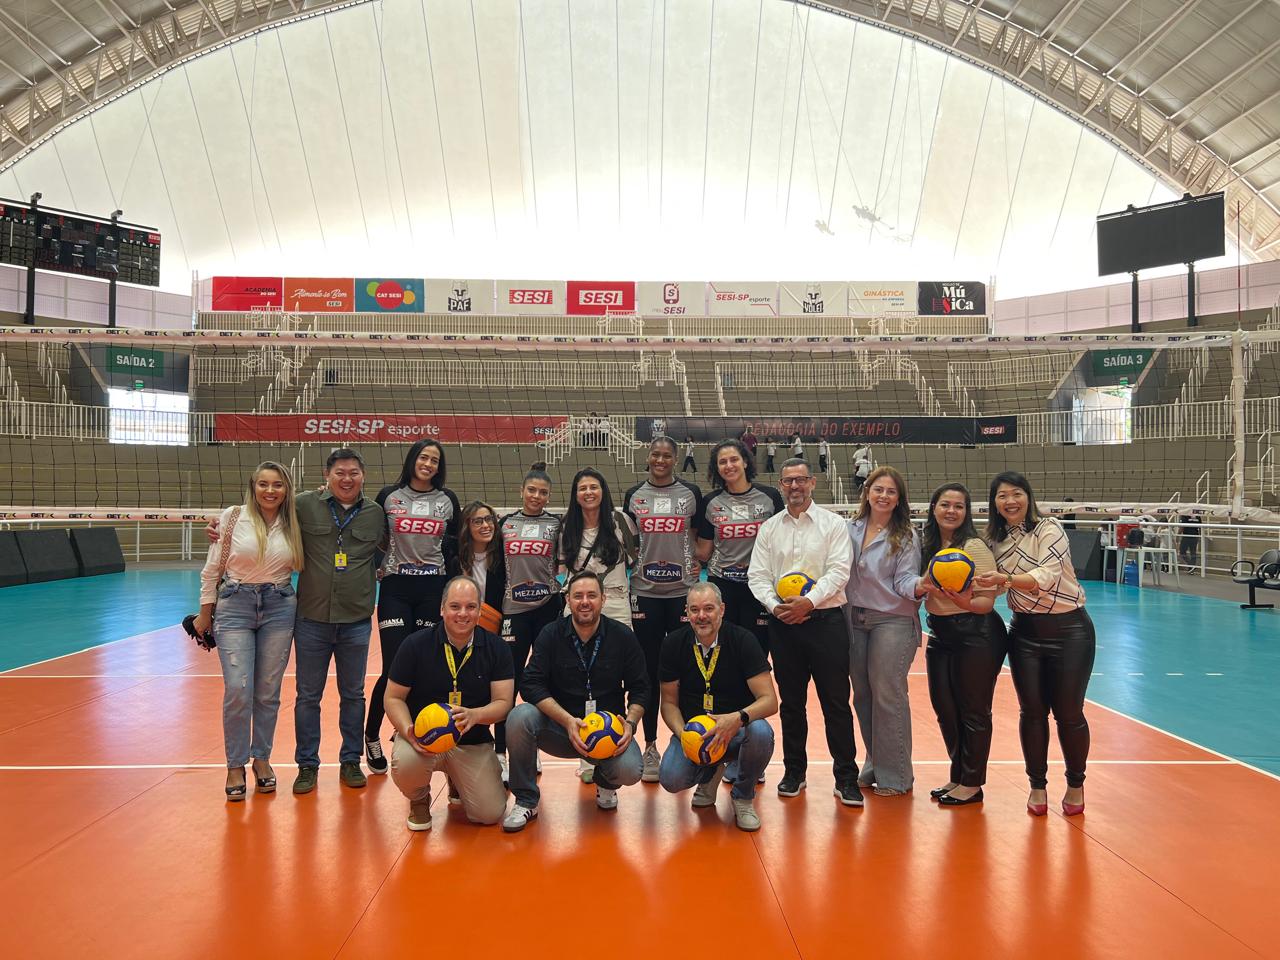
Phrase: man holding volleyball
(582, 664)
(808, 635)
(717, 670)
(468, 670)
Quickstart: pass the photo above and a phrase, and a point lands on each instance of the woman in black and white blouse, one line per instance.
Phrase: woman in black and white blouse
(1051, 642)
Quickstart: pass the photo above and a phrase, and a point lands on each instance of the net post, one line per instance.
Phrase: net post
(1237, 421)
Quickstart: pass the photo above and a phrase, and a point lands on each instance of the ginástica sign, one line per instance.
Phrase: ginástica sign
(1118, 363)
(139, 363)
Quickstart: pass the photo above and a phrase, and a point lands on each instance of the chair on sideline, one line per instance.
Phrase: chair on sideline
(1265, 574)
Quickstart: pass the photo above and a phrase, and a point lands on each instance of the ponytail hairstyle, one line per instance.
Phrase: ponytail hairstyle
(411, 464)
(537, 471)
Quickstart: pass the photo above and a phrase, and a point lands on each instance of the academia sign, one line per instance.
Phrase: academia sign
(1120, 363)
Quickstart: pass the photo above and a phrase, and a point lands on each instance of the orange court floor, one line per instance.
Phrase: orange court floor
(116, 842)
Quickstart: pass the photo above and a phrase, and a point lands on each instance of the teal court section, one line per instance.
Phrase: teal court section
(1200, 668)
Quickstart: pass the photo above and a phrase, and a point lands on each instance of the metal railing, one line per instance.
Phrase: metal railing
(1010, 371)
(569, 374)
(610, 434)
(50, 357)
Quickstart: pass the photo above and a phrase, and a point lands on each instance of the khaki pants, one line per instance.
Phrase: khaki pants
(473, 769)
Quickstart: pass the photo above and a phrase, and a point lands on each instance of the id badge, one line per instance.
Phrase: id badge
(339, 561)
(591, 707)
(708, 702)
(455, 698)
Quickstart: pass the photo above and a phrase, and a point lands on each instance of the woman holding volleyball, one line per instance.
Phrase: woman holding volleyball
(967, 641)
(727, 535)
(248, 576)
(884, 592)
(1051, 639)
(422, 532)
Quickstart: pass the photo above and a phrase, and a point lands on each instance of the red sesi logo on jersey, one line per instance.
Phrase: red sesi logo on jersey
(662, 524)
(739, 531)
(529, 548)
(419, 525)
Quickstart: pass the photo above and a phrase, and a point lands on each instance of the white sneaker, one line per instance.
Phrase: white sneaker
(502, 762)
(586, 772)
(745, 816)
(651, 761)
(606, 799)
(704, 794)
(519, 818)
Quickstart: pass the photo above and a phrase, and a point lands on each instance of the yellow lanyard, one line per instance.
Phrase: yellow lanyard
(454, 667)
(707, 671)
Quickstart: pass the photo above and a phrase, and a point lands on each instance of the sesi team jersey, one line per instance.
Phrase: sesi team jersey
(529, 548)
(418, 526)
(668, 518)
(731, 522)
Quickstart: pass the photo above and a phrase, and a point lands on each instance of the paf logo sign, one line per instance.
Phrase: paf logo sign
(390, 295)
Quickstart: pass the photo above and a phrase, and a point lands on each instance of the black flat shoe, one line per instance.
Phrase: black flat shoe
(941, 792)
(265, 784)
(236, 793)
(950, 801)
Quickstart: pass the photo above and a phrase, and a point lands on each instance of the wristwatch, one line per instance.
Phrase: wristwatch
(633, 724)
(744, 717)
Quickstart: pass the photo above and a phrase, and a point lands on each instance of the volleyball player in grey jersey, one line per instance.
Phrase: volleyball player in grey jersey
(421, 536)
(667, 512)
(727, 534)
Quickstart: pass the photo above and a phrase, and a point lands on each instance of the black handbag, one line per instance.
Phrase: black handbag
(208, 642)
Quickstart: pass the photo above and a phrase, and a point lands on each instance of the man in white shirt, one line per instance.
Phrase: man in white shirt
(808, 636)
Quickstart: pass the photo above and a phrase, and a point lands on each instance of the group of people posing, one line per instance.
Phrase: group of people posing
(605, 608)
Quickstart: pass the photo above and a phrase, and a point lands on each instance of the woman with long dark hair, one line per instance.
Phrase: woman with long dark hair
(422, 533)
(598, 537)
(884, 592)
(1051, 639)
(967, 644)
(479, 556)
(734, 512)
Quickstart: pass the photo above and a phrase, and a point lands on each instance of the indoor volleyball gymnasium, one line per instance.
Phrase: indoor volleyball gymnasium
(949, 324)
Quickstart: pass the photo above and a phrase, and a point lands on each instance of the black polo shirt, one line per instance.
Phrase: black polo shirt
(555, 670)
(420, 665)
(740, 659)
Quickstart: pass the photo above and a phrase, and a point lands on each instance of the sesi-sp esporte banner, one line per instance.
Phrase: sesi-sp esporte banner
(380, 428)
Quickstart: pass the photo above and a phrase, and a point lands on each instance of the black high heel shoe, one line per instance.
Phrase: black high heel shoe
(266, 784)
(950, 801)
(236, 793)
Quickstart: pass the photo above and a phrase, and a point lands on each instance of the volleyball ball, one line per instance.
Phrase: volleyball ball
(601, 732)
(952, 570)
(794, 584)
(435, 728)
(490, 618)
(698, 741)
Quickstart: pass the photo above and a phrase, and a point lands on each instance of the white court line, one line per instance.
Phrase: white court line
(573, 763)
(96, 646)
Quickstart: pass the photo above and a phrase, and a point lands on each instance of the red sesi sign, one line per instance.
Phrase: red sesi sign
(419, 525)
(380, 428)
(600, 297)
(532, 548)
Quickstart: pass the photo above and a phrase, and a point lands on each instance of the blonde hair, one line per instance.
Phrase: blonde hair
(900, 521)
(288, 515)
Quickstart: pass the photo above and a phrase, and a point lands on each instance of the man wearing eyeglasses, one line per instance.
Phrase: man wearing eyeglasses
(808, 636)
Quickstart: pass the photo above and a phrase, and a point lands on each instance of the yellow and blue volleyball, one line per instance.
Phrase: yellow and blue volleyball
(601, 732)
(952, 570)
(698, 741)
(794, 584)
(435, 729)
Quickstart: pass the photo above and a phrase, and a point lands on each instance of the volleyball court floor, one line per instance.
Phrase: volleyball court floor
(115, 840)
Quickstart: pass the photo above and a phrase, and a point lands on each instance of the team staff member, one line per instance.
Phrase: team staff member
(479, 556)
(771, 451)
(667, 511)
(422, 532)
(732, 518)
(715, 667)
(532, 596)
(967, 644)
(454, 662)
(336, 589)
(1051, 639)
(581, 663)
(808, 635)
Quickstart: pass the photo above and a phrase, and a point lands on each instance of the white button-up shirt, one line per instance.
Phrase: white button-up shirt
(243, 563)
(815, 543)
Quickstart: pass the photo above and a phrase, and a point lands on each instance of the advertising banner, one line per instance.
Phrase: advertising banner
(237, 294)
(598, 298)
(963, 298)
(319, 294)
(388, 295)
(380, 428)
(672, 298)
(459, 296)
(883, 299)
(823, 298)
(742, 299)
(931, 430)
(525, 297)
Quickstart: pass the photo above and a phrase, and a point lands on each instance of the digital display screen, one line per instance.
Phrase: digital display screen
(71, 243)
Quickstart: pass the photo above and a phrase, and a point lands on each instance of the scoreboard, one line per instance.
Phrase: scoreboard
(73, 243)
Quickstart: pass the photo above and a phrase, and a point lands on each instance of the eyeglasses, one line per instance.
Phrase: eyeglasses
(794, 481)
(483, 521)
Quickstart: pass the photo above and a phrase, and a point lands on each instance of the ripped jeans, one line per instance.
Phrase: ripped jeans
(253, 624)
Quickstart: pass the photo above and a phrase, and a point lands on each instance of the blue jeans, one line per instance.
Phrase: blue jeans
(348, 646)
(530, 730)
(881, 648)
(253, 623)
(751, 746)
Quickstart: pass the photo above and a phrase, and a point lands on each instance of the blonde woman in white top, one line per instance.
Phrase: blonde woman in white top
(253, 620)
(1051, 639)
